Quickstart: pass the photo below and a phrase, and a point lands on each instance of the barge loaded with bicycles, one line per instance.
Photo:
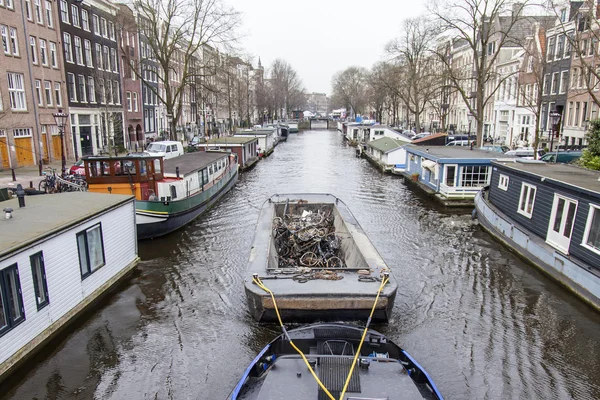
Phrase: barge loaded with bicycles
(315, 258)
(169, 193)
(347, 362)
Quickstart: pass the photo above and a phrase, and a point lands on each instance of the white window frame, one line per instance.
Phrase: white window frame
(91, 89)
(57, 94)
(38, 92)
(14, 41)
(49, 15)
(5, 39)
(33, 49)
(503, 182)
(87, 49)
(85, 21)
(39, 13)
(18, 99)
(82, 93)
(64, 12)
(28, 10)
(75, 16)
(526, 189)
(129, 108)
(72, 94)
(83, 239)
(78, 50)
(53, 55)
(586, 233)
(564, 81)
(135, 102)
(96, 23)
(48, 93)
(43, 53)
(68, 51)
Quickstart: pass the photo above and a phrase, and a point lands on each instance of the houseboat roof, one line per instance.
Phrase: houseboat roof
(428, 138)
(386, 144)
(228, 140)
(190, 162)
(258, 132)
(47, 215)
(456, 153)
(567, 174)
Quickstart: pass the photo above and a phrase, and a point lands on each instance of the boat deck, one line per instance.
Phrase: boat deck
(190, 162)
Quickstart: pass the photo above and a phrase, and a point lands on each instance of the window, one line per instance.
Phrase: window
(71, 87)
(88, 53)
(75, 15)
(560, 47)
(109, 92)
(113, 60)
(103, 29)
(91, 89)
(474, 175)
(82, 90)
(43, 52)
(546, 83)
(91, 250)
(11, 299)
(550, 48)
(116, 93)
(96, 24)
(527, 200)
(106, 60)
(33, 48)
(57, 94)
(503, 182)
(5, 41)
(48, 92)
(491, 48)
(53, 59)
(49, 17)
(135, 102)
(38, 12)
(22, 132)
(564, 81)
(555, 83)
(68, 48)
(99, 55)
(591, 236)
(85, 20)
(16, 91)
(78, 51)
(38, 273)
(111, 30)
(38, 92)
(28, 11)
(14, 42)
(173, 190)
(128, 101)
(64, 11)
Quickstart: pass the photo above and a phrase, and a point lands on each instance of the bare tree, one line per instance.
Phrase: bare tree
(486, 26)
(175, 31)
(349, 87)
(286, 87)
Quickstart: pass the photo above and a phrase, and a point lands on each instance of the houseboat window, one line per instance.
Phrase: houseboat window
(210, 169)
(591, 238)
(11, 299)
(157, 169)
(90, 246)
(96, 169)
(474, 175)
(450, 175)
(142, 167)
(204, 176)
(38, 272)
(129, 167)
(503, 182)
(527, 200)
(118, 167)
(173, 192)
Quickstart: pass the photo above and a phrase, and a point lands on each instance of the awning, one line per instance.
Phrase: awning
(428, 164)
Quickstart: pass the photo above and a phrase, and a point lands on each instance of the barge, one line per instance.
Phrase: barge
(310, 251)
(169, 193)
(382, 370)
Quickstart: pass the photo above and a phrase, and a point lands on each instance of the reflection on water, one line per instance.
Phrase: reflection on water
(483, 323)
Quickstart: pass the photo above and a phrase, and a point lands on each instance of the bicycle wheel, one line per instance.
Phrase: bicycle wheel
(43, 187)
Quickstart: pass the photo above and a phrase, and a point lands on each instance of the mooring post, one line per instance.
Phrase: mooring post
(14, 178)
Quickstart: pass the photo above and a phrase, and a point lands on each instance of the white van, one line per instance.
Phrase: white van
(167, 149)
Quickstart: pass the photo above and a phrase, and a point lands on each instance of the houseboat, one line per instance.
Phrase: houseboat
(378, 368)
(454, 175)
(386, 154)
(266, 137)
(246, 148)
(293, 126)
(59, 254)
(169, 193)
(318, 262)
(550, 215)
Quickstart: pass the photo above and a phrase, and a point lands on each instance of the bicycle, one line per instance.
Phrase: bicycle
(48, 184)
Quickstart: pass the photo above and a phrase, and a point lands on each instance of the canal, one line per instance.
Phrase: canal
(483, 323)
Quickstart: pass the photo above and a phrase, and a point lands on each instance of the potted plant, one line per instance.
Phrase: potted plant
(415, 177)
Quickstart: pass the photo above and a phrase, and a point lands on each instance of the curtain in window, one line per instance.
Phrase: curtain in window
(95, 247)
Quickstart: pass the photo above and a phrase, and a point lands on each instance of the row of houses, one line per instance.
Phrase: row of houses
(92, 60)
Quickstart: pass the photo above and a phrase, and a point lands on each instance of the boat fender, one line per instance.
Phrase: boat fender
(364, 272)
(474, 214)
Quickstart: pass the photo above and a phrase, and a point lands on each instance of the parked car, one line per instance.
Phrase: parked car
(564, 157)
(196, 140)
(495, 148)
(420, 135)
(525, 152)
(452, 138)
(461, 143)
(77, 168)
(167, 149)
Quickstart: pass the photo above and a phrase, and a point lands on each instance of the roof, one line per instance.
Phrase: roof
(234, 140)
(456, 152)
(386, 144)
(428, 138)
(45, 215)
(565, 173)
(190, 162)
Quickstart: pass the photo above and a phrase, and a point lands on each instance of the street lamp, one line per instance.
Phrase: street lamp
(61, 121)
(554, 118)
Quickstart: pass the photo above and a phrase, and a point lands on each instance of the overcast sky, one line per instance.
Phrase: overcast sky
(320, 37)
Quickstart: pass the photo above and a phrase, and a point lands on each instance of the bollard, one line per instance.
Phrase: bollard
(31, 184)
(14, 178)
(177, 171)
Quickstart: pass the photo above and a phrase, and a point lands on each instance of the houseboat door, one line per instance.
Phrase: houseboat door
(561, 223)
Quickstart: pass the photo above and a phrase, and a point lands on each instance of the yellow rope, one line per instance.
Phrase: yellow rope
(263, 287)
(362, 339)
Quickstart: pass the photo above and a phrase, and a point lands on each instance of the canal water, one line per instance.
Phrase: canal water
(484, 324)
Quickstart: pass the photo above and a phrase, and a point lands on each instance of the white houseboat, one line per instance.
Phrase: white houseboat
(58, 255)
(266, 139)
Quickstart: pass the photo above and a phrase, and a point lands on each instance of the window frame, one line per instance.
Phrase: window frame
(64, 12)
(17, 93)
(10, 320)
(503, 182)
(75, 16)
(593, 208)
(44, 283)
(529, 187)
(33, 50)
(38, 11)
(84, 232)
(43, 52)
(49, 15)
(58, 94)
(48, 93)
(53, 49)
(85, 22)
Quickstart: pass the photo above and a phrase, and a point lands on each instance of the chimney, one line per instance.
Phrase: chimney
(21, 195)
(517, 9)
(7, 212)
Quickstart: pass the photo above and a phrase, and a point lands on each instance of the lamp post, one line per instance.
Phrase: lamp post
(554, 118)
(61, 120)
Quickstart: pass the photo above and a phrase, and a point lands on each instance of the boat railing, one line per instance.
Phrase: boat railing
(459, 192)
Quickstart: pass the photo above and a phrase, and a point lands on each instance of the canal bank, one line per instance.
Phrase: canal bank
(482, 322)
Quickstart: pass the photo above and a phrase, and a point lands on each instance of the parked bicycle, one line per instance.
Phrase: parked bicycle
(53, 183)
(48, 184)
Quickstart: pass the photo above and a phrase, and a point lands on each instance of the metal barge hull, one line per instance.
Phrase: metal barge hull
(346, 299)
